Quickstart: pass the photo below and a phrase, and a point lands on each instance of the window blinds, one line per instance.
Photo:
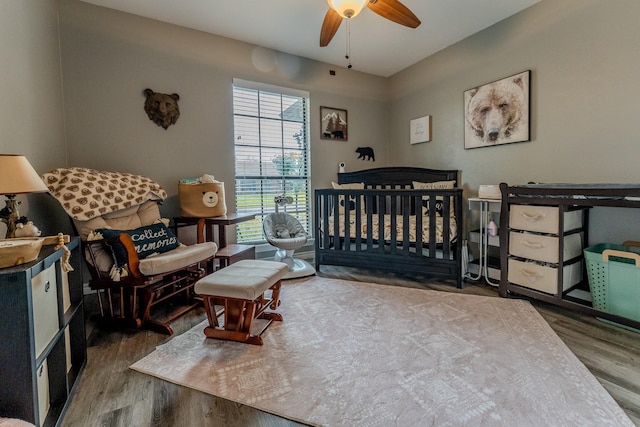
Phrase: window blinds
(271, 154)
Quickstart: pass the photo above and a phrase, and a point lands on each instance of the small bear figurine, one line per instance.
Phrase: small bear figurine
(282, 233)
(27, 230)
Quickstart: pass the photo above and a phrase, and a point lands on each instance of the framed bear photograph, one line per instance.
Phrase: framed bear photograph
(334, 124)
(498, 112)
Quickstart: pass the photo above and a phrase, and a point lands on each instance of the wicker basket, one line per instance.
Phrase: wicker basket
(204, 200)
(19, 251)
(614, 279)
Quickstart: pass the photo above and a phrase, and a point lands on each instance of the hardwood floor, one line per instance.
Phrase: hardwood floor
(110, 394)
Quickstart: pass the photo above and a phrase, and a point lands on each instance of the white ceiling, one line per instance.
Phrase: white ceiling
(378, 46)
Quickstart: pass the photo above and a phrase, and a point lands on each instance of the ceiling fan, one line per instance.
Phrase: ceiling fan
(340, 9)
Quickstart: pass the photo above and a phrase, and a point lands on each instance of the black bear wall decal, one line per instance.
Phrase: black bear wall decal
(366, 153)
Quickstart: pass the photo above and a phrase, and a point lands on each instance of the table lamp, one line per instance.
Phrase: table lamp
(17, 176)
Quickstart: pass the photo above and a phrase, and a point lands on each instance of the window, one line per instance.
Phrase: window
(271, 153)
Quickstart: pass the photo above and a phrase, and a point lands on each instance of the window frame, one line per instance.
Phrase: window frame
(301, 208)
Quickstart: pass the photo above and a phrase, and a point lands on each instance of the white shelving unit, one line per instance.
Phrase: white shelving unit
(487, 265)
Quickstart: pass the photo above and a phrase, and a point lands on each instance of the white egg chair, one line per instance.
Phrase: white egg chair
(285, 232)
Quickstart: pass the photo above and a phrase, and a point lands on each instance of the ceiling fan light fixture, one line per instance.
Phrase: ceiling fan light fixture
(347, 8)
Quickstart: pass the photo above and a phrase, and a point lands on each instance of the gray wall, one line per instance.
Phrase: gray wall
(584, 59)
(583, 56)
(31, 115)
(110, 57)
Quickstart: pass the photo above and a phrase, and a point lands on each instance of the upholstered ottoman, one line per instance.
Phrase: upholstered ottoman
(239, 291)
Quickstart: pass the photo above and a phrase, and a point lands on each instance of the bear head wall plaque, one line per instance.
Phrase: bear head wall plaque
(162, 108)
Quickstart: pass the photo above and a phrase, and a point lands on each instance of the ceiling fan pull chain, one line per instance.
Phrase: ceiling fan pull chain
(348, 55)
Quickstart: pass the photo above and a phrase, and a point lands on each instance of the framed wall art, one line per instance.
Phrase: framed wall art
(420, 130)
(334, 124)
(499, 112)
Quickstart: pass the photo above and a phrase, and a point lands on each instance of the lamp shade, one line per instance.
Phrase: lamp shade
(347, 8)
(17, 176)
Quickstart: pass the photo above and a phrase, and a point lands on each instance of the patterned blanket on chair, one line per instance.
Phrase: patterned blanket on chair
(87, 193)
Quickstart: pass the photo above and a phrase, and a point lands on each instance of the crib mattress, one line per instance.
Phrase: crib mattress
(388, 231)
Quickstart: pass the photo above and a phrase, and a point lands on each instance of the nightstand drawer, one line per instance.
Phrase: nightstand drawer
(544, 248)
(45, 307)
(543, 278)
(543, 219)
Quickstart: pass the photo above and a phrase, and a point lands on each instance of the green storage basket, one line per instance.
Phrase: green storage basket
(614, 279)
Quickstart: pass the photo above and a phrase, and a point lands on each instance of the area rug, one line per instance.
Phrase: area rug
(360, 354)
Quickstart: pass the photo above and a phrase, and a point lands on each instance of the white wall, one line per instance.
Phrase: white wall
(31, 114)
(585, 94)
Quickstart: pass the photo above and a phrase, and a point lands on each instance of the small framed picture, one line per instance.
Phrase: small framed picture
(334, 124)
(420, 130)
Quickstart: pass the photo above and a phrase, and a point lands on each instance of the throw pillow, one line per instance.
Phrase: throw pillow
(439, 206)
(148, 240)
(350, 199)
(436, 185)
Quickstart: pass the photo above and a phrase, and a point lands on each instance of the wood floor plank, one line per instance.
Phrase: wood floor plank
(111, 395)
(626, 398)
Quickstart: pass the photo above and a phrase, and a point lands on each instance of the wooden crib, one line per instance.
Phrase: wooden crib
(400, 219)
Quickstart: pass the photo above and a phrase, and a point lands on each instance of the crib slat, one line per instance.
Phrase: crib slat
(419, 216)
(406, 210)
(393, 226)
(446, 227)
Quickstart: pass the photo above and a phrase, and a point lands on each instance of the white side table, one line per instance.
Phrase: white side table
(485, 266)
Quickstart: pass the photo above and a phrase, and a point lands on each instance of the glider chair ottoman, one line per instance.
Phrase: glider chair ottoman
(237, 293)
(143, 276)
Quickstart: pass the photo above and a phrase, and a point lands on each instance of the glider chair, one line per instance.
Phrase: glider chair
(142, 274)
(286, 233)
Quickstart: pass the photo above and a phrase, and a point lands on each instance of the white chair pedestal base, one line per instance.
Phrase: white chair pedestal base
(297, 267)
(284, 255)
(301, 268)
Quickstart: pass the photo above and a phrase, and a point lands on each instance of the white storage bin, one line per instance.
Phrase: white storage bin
(42, 382)
(45, 308)
(66, 295)
(544, 248)
(543, 219)
(543, 278)
(67, 348)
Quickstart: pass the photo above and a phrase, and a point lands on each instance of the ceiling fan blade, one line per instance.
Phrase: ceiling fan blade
(394, 11)
(330, 26)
